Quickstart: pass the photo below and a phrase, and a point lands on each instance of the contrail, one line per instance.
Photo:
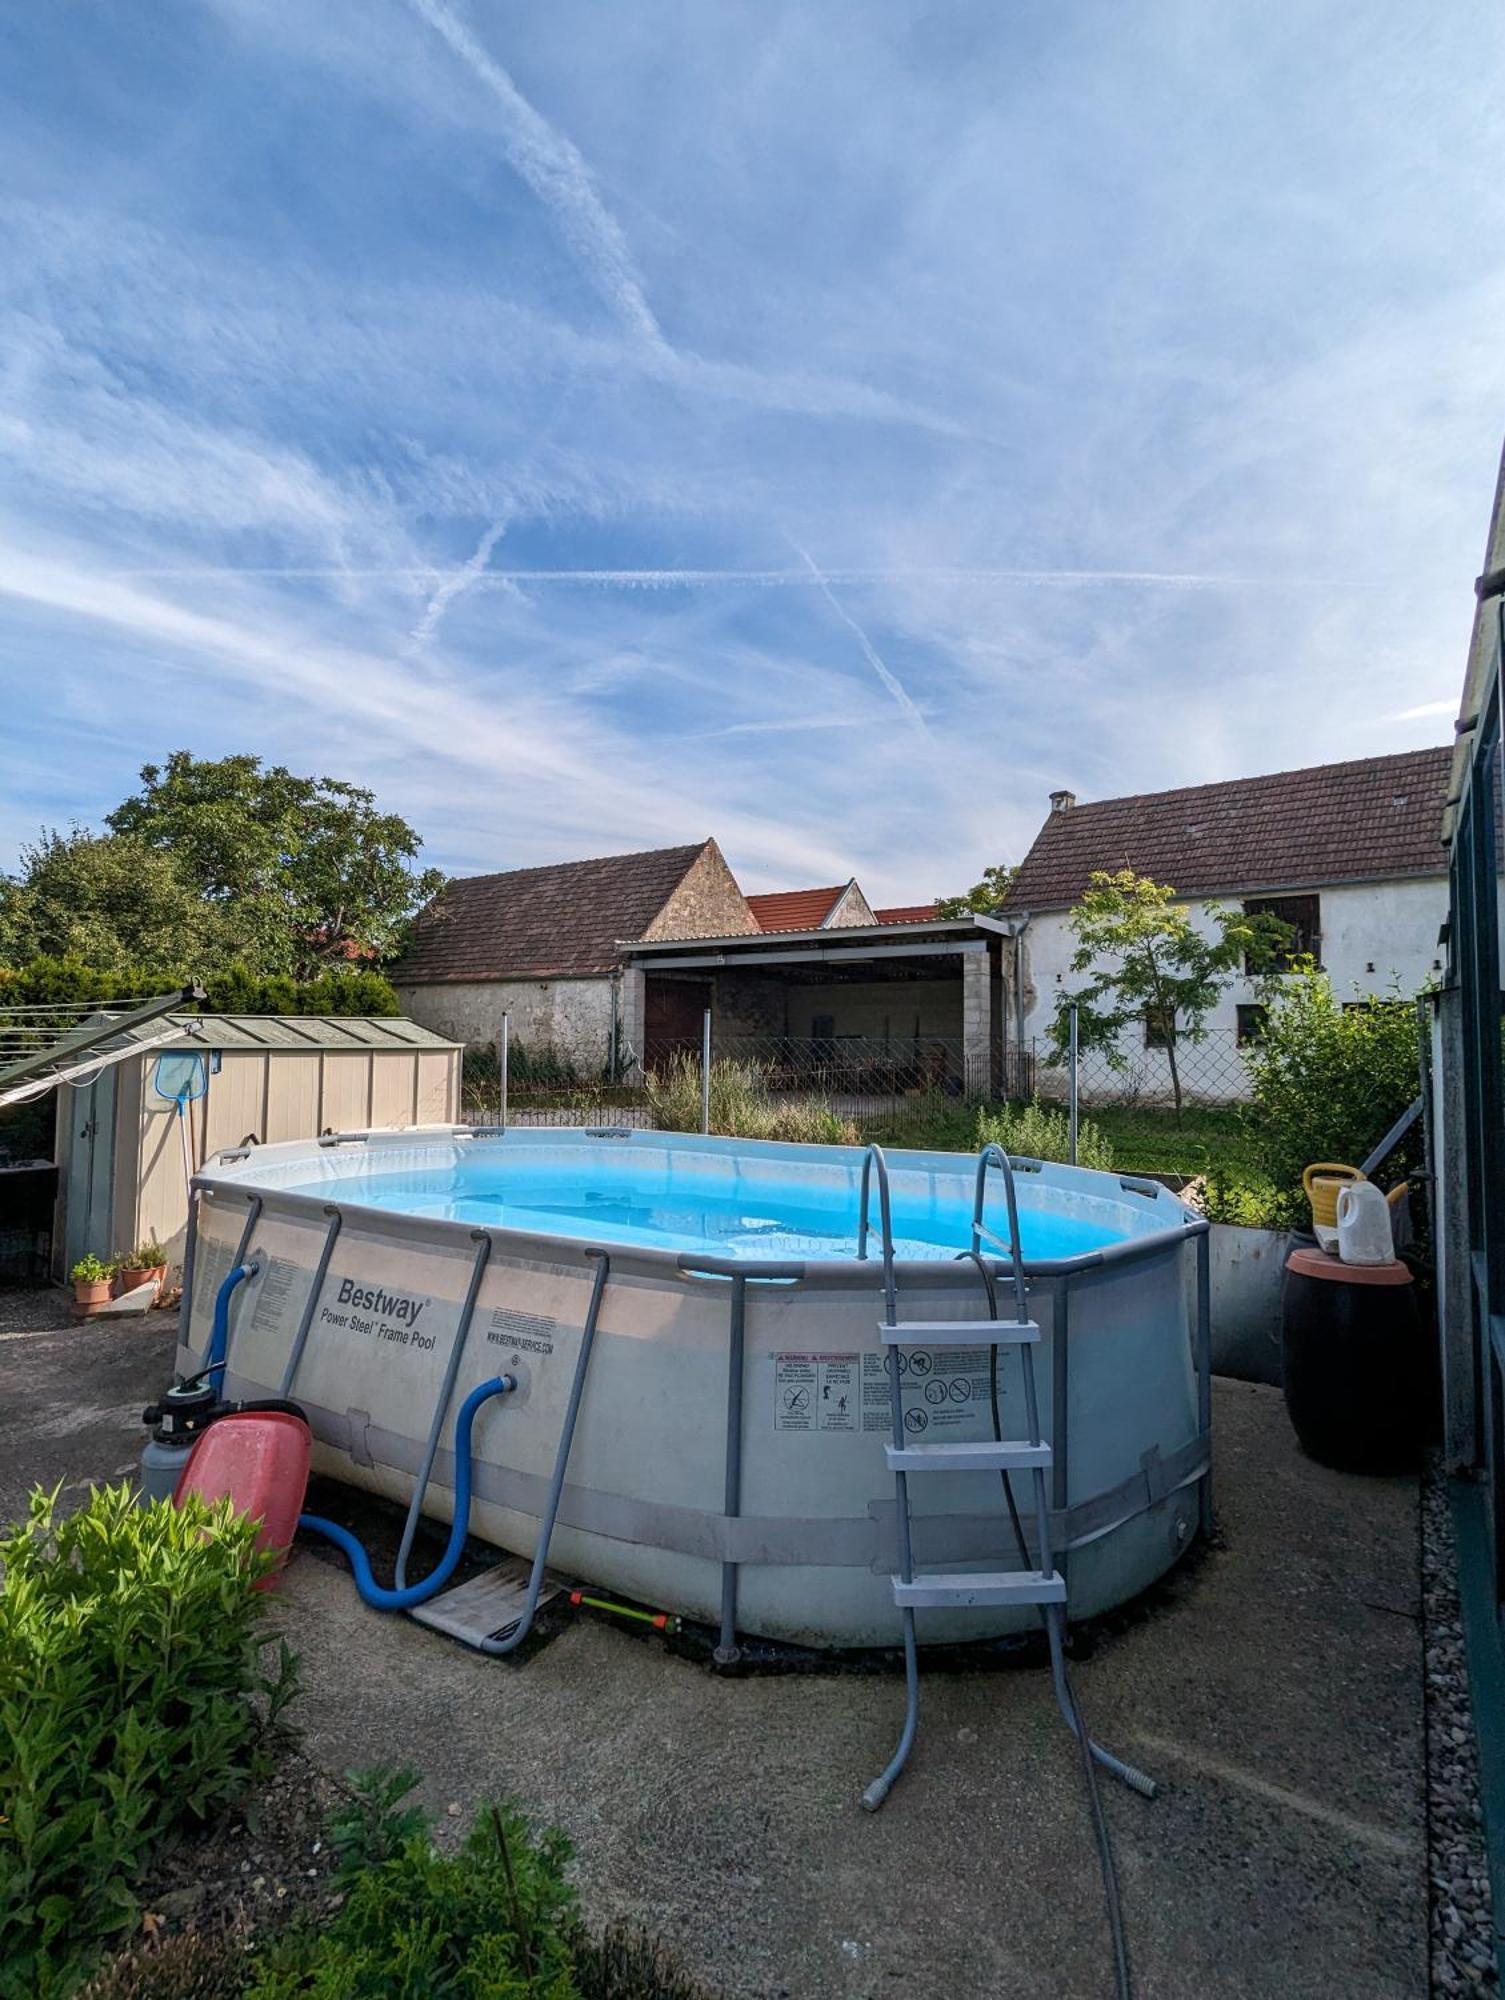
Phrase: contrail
(774, 579)
(455, 585)
(889, 679)
(552, 166)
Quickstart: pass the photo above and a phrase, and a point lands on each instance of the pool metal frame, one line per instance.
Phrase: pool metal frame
(689, 1267)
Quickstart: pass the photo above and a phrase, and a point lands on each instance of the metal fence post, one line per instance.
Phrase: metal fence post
(1075, 1081)
(705, 1072)
(501, 1069)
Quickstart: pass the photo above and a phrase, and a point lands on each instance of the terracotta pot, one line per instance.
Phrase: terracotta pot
(129, 1280)
(91, 1291)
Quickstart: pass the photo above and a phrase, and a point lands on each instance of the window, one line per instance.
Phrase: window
(1251, 1023)
(1303, 917)
(1159, 1027)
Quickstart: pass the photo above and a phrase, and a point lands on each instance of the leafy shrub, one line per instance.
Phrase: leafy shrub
(1037, 1131)
(235, 990)
(742, 1106)
(131, 1645)
(1328, 1082)
(498, 1919)
(91, 1270)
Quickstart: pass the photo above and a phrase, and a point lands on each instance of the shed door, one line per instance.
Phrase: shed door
(91, 1165)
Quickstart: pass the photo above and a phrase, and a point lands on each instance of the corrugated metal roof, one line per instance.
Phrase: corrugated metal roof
(293, 1032)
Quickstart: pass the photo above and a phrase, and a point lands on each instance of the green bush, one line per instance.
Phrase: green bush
(234, 990)
(1328, 1082)
(497, 1919)
(742, 1106)
(132, 1698)
(1036, 1131)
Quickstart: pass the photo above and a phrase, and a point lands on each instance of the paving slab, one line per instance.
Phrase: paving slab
(1274, 1686)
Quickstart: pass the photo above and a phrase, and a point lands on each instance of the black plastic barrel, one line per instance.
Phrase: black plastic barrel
(1355, 1366)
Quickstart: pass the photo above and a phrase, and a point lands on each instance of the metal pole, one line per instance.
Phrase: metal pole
(1204, 1369)
(1074, 1081)
(501, 1068)
(728, 1652)
(705, 1072)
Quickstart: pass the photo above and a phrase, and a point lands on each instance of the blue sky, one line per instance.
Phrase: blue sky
(826, 425)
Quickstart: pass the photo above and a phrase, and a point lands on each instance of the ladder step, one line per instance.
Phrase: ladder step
(959, 1333)
(1011, 1586)
(1011, 1455)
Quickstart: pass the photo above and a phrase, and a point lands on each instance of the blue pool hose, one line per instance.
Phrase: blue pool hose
(371, 1591)
(219, 1336)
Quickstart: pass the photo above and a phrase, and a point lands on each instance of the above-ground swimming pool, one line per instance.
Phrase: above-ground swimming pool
(729, 1458)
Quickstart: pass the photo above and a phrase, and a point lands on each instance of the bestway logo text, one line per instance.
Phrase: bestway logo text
(392, 1304)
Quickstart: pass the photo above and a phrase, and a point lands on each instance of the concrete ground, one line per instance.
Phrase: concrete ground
(1275, 1688)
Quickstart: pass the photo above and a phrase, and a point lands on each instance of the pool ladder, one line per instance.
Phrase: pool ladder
(1043, 1585)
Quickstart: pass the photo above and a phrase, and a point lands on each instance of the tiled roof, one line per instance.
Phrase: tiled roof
(906, 913)
(1372, 819)
(795, 909)
(562, 920)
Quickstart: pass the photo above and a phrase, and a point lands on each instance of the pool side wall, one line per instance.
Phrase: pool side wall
(644, 1511)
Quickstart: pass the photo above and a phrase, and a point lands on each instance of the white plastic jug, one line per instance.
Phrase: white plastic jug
(1363, 1224)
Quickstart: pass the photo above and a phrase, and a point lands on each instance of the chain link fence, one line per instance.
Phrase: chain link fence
(1208, 1071)
(921, 1090)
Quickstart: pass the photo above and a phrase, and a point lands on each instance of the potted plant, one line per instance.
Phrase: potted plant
(91, 1281)
(141, 1266)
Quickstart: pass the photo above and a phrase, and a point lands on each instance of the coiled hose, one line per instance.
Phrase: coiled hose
(371, 1591)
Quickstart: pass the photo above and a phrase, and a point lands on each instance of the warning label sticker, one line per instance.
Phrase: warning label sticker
(944, 1392)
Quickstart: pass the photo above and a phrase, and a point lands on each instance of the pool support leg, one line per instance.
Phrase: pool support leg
(446, 1390)
(321, 1272)
(728, 1652)
(498, 1648)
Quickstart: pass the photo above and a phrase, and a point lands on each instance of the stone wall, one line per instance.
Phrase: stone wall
(707, 902)
(572, 1016)
(852, 909)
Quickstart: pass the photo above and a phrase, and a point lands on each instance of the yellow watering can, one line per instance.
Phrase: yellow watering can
(1322, 1180)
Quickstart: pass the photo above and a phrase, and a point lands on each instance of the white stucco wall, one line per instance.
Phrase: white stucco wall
(572, 1016)
(1391, 926)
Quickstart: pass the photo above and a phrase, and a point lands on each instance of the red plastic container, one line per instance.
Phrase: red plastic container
(259, 1460)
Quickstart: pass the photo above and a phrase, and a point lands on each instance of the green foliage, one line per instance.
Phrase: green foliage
(497, 1919)
(374, 1825)
(131, 1645)
(983, 897)
(742, 1105)
(1037, 1131)
(113, 903)
(309, 866)
(235, 989)
(1328, 1082)
(145, 1257)
(90, 1271)
(1147, 960)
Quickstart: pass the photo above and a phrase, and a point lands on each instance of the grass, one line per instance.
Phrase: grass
(1152, 1142)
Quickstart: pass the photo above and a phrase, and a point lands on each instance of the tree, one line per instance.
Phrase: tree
(113, 903)
(314, 874)
(1149, 963)
(983, 897)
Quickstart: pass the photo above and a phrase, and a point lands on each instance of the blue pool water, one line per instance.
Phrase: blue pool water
(632, 1198)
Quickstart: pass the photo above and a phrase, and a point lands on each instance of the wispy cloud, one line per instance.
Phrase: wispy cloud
(298, 305)
(455, 584)
(885, 674)
(553, 168)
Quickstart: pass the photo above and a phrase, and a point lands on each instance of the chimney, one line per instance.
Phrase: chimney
(1062, 802)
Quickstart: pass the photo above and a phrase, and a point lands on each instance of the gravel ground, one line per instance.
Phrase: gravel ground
(1461, 1913)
